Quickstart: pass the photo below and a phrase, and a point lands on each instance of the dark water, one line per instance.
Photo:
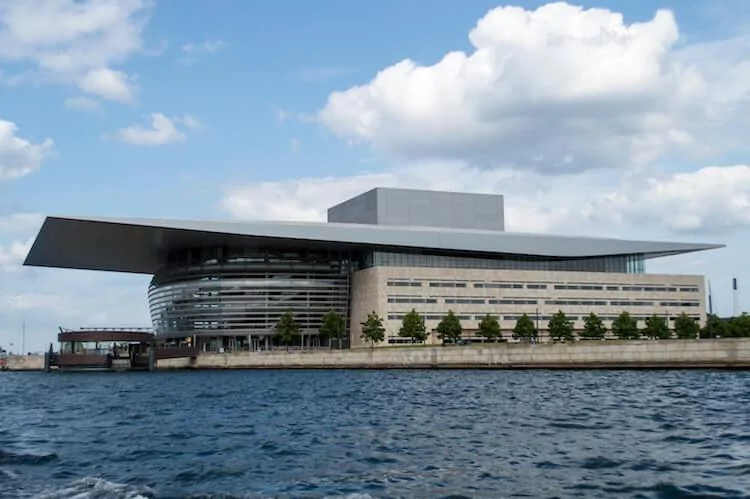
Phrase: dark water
(358, 434)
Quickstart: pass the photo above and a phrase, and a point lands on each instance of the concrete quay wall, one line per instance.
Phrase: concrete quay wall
(643, 354)
(25, 363)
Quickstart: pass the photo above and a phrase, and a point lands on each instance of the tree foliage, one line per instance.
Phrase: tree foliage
(593, 327)
(372, 329)
(287, 329)
(657, 328)
(333, 326)
(525, 329)
(739, 326)
(625, 327)
(560, 328)
(489, 328)
(714, 328)
(449, 330)
(412, 326)
(685, 327)
(732, 327)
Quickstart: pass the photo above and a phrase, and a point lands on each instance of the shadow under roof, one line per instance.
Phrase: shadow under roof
(139, 245)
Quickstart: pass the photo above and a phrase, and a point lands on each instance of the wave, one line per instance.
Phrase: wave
(98, 488)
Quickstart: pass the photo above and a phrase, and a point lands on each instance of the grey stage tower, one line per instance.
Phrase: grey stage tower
(418, 208)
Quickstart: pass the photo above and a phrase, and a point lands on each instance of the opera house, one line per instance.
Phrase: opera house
(224, 285)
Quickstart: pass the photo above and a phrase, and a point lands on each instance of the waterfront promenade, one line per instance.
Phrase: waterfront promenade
(729, 353)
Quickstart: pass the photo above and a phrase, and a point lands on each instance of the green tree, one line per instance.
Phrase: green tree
(412, 326)
(686, 328)
(287, 329)
(372, 329)
(625, 327)
(449, 330)
(560, 327)
(525, 330)
(657, 328)
(333, 327)
(489, 328)
(739, 326)
(714, 328)
(593, 328)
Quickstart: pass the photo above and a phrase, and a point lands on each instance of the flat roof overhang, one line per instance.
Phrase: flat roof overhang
(140, 245)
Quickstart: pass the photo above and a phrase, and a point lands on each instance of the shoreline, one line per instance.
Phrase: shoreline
(724, 353)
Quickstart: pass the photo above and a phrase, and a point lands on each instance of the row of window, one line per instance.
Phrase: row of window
(528, 301)
(397, 316)
(516, 285)
(631, 264)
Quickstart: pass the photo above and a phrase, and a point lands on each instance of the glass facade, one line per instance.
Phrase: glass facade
(231, 291)
(625, 264)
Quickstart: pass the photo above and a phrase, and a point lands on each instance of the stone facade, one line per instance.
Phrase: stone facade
(507, 294)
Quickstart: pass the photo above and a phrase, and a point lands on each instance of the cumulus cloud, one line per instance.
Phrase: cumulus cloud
(108, 84)
(163, 130)
(12, 255)
(713, 199)
(75, 42)
(709, 200)
(19, 156)
(557, 89)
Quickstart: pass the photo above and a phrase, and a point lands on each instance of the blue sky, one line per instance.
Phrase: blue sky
(589, 124)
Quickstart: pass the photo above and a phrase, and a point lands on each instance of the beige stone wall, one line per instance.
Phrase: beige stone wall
(592, 354)
(368, 291)
(371, 291)
(25, 363)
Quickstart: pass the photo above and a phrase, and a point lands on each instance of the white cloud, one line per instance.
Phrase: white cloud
(18, 156)
(108, 84)
(67, 39)
(205, 47)
(163, 130)
(13, 255)
(83, 103)
(713, 199)
(556, 89)
(20, 223)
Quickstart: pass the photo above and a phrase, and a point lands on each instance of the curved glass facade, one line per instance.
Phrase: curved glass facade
(225, 291)
(625, 264)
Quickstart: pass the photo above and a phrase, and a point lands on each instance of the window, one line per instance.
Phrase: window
(513, 301)
(465, 301)
(448, 284)
(576, 302)
(405, 284)
(410, 299)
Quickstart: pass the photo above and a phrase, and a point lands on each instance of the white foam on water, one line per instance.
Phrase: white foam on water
(97, 488)
(8, 474)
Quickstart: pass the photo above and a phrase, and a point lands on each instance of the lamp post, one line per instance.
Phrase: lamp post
(537, 322)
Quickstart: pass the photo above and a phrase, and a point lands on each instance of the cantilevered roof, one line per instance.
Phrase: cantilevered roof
(139, 245)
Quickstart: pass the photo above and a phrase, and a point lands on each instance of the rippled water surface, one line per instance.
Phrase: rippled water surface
(361, 434)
